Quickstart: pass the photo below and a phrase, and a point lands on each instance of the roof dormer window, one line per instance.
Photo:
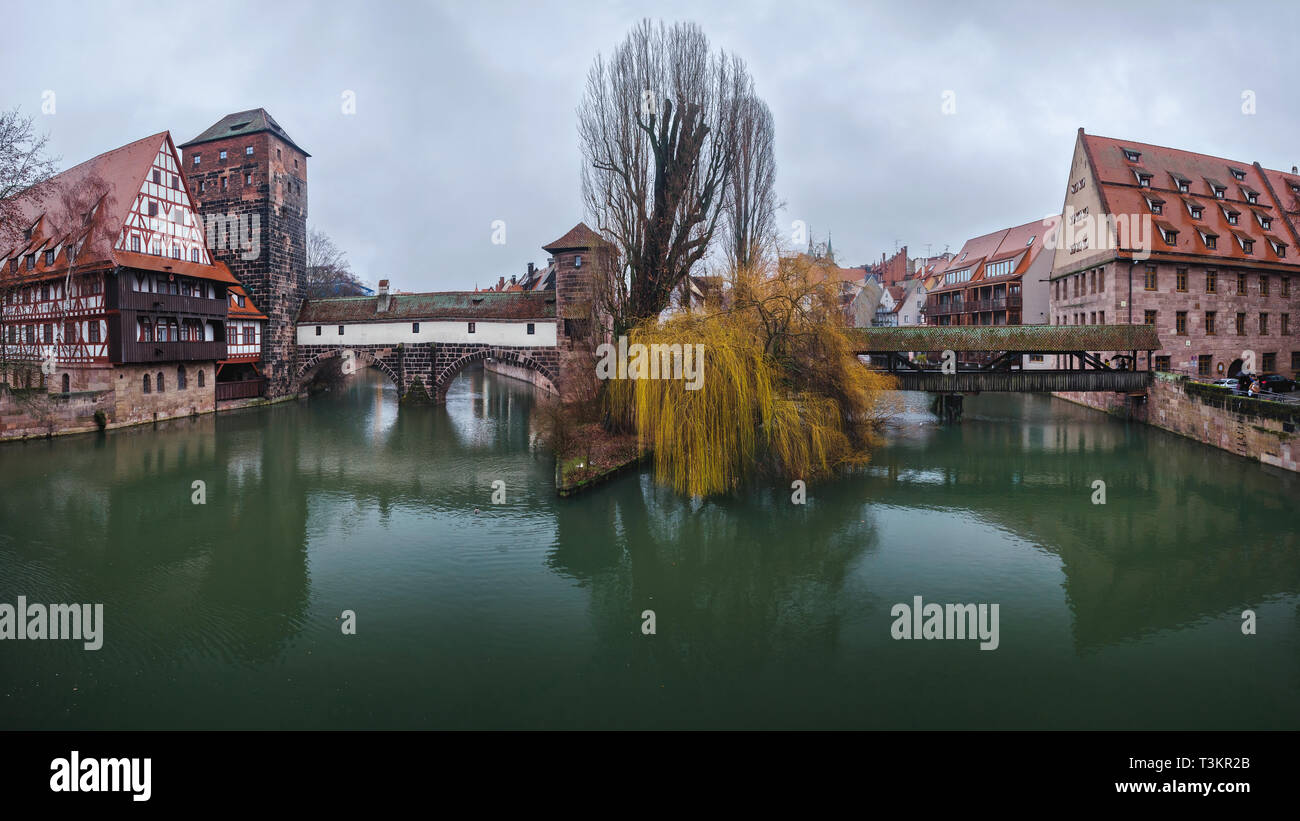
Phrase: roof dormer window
(1157, 206)
(1218, 190)
(1143, 178)
(1264, 222)
(1170, 235)
(1031, 240)
(1247, 245)
(1131, 156)
(1237, 173)
(1279, 249)
(1196, 211)
(1232, 217)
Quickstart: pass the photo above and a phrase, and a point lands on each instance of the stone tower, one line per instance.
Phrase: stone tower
(578, 255)
(249, 182)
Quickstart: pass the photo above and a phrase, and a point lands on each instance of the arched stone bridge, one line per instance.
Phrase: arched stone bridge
(421, 342)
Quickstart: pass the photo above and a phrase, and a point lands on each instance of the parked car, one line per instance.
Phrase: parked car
(1277, 383)
(1229, 382)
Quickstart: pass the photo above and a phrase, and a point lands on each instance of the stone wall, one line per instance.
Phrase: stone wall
(1253, 428)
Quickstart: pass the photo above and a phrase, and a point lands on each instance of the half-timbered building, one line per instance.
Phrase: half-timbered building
(107, 284)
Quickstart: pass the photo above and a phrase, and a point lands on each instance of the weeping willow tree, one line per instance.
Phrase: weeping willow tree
(779, 391)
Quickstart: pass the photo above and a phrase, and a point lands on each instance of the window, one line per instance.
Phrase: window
(1196, 212)
(471, 327)
(1263, 284)
(194, 255)
(250, 334)
(1157, 207)
(532, 328)
(176, 183)
(1295, 358)
(196, 159)
(222, 154)
(145, 387)
(45, 293)
(1209, 323)
(224, 181)
(1131, 156)
(1101, 317)
(49, 257)
(92, 329)
(248, 151)
(146, 331)
(158, 383)
(340, 330)
(1101, 280)
(200, 378)
(1171, 236)
(1263, 324)
(153, 208)
(47, 333)
(1241, 175)
(1218, 191)
(1149, 317)
(1211, 241)
(1182, 186)
(1241, 324)
(1092, 318)
(1286, 324)
(1150, 283)
(180, 377)
(415, 327)
(1265, 222)
(318, 330)
(1270, 362)
(1248, 245)
(1180, 280)
(1162, 363)
(157, 176)
(202, 186)
(248, 179)
(1232, 218)
(1203, 363)
(1241, 283)
(1211, 282)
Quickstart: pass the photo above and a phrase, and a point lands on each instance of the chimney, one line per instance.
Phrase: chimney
(381, 306)
(501, 283)
(1295, 170)
(513, 279)
(530, 270)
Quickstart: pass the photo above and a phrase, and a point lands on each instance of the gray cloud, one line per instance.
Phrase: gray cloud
(465, 111)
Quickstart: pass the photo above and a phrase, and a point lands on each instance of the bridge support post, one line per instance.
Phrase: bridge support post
(948, 406)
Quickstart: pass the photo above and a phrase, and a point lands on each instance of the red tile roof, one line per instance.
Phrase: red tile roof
(113, 179)
(1122, 194)
(579, 237)
(1022, 243)
(248, 311)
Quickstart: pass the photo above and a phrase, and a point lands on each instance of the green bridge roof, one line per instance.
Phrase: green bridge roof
(1020, 338)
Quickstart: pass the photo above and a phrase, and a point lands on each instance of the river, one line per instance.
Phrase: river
(529, 614)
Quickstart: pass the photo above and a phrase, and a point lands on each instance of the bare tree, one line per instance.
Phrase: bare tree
(657, 128)
(751, 195)
(24, 164)
(328, 271)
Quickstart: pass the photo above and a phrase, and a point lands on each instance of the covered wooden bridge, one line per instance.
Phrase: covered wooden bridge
(1096, 357)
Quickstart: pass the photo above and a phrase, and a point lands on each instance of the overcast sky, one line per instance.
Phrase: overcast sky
(465, 110)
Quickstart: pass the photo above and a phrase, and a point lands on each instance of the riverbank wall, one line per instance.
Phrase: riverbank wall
(519, 372)
(1255, 429)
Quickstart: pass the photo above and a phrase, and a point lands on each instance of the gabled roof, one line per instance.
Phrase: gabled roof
(579, 237)
(248, 311)
(106, 188)
(1023, 242)
(253, 121)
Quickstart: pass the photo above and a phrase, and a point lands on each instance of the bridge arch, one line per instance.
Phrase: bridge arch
(448, 368)
(362, 356)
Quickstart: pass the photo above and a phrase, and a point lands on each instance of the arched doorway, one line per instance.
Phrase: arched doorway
(1235, 367)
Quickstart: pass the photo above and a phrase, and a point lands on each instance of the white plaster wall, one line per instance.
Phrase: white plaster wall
(486, 332)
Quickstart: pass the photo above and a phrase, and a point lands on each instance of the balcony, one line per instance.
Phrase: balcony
(171, 304)
(133, 351)
(934, 307)
(243, 389)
